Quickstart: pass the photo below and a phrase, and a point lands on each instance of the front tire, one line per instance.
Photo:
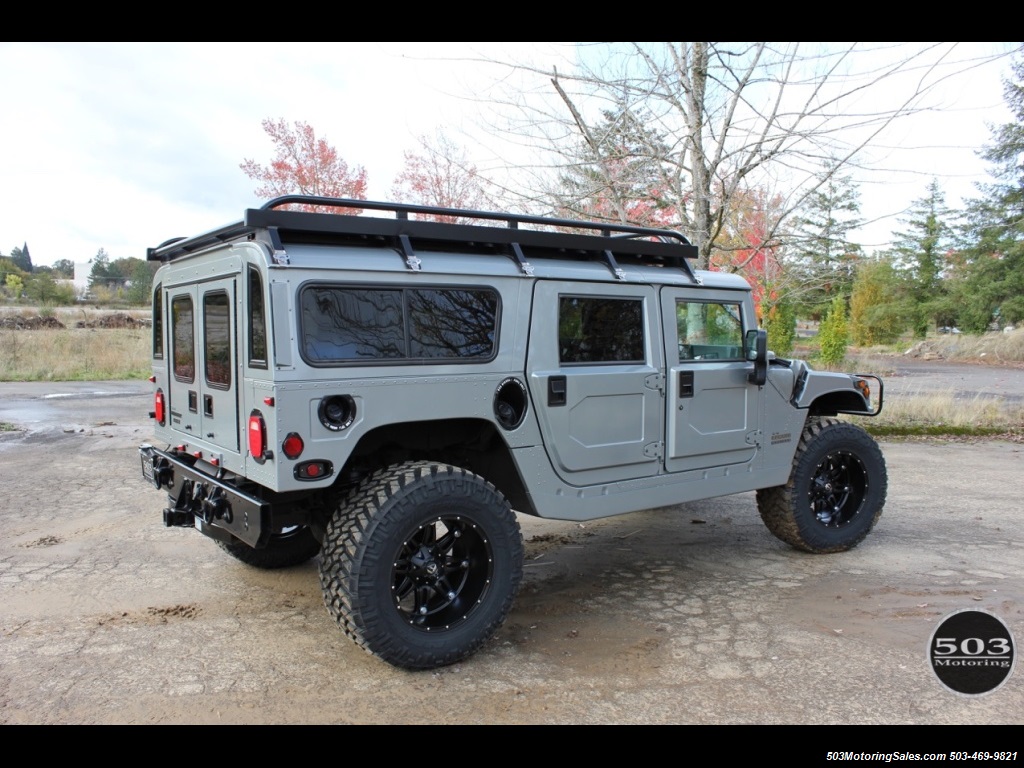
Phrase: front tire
(835, 492)
(421, 564)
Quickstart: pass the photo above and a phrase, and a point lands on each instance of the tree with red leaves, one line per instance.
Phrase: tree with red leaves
(304, 164)
(750, 247)
(439, 175)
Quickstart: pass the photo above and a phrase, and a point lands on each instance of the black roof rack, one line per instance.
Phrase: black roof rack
(515, 237)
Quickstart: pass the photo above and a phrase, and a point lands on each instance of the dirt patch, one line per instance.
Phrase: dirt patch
(115, 320)
(119, 320)
(36, 323)
(46, 541)
(154, 615)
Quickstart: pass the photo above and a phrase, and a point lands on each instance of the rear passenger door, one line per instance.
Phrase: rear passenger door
(594, 376)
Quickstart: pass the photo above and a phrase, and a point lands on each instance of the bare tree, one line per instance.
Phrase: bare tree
(723, 118)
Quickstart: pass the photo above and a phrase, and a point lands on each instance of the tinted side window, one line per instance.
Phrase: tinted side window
(158, 323)
(343, 324)
(347, 324)
(182, 325)
(600, 330)
(257, 322)
(217, 339)
(451, 323)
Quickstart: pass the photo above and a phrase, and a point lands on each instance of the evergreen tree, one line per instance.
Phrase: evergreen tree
(99, 275)
(141, 282)
(989, 285)
(922, 250)
(824, 257)
(619, 174)
(21, 258)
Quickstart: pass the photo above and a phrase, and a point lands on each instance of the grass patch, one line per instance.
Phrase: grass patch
(995, 347)
(946, 414)
(83, 354)
(74, 354)
(6, 426)
(934, 430)
(999, 348)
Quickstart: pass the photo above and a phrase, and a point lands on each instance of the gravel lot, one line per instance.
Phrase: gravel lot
(694, 614)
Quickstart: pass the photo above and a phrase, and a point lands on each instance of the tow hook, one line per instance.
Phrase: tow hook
(215, 507)
(193, 501)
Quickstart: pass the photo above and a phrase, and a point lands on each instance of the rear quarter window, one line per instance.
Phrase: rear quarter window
(344, 324)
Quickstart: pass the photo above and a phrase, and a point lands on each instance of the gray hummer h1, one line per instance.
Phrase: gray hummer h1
(382, 385)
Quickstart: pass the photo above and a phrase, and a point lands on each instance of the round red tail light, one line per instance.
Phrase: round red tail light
(292, 446)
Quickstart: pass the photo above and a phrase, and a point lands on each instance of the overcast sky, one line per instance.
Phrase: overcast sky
(123, 145)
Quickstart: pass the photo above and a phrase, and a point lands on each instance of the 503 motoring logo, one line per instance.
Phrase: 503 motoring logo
(972, 652)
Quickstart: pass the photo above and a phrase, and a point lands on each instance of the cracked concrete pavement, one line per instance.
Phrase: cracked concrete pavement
(694, 614)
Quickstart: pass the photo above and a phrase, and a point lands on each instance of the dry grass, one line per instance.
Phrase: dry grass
(74, 354)
(948, 409)
(996, 348)
(77, 354)
(1000, 348)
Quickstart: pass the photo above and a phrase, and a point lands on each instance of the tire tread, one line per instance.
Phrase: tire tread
(347, 563)
(778, 505)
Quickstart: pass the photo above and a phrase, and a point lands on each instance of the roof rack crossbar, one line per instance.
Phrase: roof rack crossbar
(546, 236)
(512, 220)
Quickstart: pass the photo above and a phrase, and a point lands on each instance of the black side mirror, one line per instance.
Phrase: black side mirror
(757, 352)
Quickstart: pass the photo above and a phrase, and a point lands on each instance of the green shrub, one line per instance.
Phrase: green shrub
(833, 335)
(780, 322)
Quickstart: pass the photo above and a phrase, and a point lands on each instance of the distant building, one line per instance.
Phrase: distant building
(81, 282)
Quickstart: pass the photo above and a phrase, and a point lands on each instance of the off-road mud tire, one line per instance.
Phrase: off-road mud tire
(835, 492)
(421, 564)
(289, 548)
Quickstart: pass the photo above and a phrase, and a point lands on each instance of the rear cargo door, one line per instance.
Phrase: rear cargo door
(203, 377)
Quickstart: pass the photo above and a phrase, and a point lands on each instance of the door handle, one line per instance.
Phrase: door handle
(557, 386)
(686, 384)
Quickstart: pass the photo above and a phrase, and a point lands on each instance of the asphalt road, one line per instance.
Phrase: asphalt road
(916, 376)
(694, 614)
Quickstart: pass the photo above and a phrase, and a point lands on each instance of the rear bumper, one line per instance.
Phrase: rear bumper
(213, 505)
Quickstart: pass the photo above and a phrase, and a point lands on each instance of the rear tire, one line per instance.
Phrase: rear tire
(420, 566)
(835, 492)
(291, 547)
